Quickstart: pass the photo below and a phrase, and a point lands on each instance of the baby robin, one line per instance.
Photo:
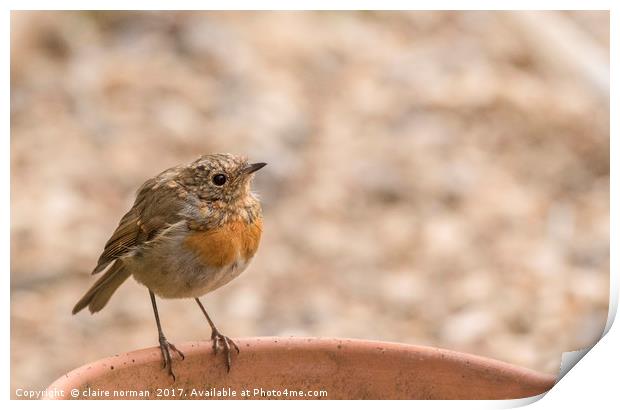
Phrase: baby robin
(192, 229)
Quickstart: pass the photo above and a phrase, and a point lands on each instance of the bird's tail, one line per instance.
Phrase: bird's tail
(99, 294)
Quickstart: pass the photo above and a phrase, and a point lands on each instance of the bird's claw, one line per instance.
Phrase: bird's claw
(165, 346)
(225, 341)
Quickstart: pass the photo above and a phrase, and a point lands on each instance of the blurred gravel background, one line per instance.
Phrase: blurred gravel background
(434, 178)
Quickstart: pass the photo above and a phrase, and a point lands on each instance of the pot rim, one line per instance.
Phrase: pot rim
(140, 357)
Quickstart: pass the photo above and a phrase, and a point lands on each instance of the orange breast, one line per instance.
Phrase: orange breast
(222, 246)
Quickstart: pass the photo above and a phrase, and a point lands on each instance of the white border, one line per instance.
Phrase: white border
(310, 5)
(589, 383)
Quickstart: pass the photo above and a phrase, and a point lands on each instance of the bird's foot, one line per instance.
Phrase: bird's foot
(225, 341)
(165, 347)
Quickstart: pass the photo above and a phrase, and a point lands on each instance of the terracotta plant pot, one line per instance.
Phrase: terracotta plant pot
(343, 368)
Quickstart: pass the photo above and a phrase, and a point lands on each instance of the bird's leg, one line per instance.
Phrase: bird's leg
(164, 345)
(217, 338)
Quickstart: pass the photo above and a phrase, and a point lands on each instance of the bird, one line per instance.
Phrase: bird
(191, 230)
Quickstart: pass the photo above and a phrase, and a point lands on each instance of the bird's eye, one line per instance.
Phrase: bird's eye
(219, 179)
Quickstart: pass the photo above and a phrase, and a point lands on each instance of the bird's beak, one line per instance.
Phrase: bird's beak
(251, 168)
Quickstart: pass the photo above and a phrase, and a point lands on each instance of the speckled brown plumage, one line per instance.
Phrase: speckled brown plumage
(192, 229)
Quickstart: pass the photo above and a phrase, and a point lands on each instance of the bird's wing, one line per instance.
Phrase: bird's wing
(122, 240)
(152, 212)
